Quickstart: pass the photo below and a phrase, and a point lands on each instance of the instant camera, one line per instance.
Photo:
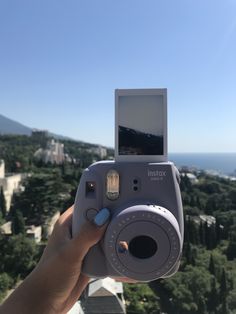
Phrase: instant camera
(144, 238)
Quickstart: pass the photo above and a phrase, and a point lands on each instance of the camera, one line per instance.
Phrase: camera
(140, 188)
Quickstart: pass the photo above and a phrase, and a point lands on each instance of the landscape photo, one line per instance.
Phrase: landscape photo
(141, 125)
(133, 142)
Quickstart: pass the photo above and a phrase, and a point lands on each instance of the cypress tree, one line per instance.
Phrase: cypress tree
(218, 231)
(210, 236)
(192, 201)
(186, 228)
(202, 234)
(202, 309)
(193, 232)
(3, 207)
(223, 284)
(188, 253)
(223, 292)
(224, 308)
(231, 249)
(212, 303)
(206, 232)
(198, 202)
(18, 223)
(211, 267)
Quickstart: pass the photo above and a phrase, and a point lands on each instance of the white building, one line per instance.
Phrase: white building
(193, 179)
(10, 184)
(6, 228)
(50, 223)
(210, 220)
(76, 309)
(99, 150)
(32, 232)
(104, 296)
(2, 169)
(54, 153)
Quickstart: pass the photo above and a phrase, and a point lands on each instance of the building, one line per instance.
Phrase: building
(10, 183)
(32, 232)
(50, 223)
(39, 133)
(76, 309)
(54, 153)
(41, 136)
(99, 150)
(6, 229)
(209, 220)
(104, 296)
(192, 178)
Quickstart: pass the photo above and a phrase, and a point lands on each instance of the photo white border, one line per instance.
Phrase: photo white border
(141, 92)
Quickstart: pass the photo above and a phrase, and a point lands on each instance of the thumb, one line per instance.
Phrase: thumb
(91, 232)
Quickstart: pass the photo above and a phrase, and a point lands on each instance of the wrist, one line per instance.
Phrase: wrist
(29, 297)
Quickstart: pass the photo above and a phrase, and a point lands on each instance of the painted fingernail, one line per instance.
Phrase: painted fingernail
(102, 217)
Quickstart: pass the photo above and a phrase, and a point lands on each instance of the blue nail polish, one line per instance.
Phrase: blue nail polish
(102, 217)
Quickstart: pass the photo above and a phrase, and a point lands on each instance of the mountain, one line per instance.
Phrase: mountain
(8, 126)
(133, 142)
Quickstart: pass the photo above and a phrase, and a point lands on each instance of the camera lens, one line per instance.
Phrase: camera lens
(142, 247)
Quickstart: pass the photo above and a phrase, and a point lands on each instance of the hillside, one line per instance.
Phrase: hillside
(9, 126)
(133, 142)
(206, 280)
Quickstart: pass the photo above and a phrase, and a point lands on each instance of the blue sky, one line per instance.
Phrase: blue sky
(60, 62)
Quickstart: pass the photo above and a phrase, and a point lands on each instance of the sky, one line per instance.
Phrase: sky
(60, 62)
(142, 113)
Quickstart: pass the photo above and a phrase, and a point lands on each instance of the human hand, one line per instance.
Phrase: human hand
(56, 283)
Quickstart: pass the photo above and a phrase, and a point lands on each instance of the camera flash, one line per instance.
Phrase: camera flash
(113, 185)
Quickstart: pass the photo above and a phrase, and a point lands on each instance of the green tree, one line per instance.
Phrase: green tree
(211, 267)
(210, 236)
(202, 308)
(185, 184)
(18, 222)
(18, 255)
(223, 285)
(218, 230)
(184, 293)
(140, 299)
(231, 249)
(213, 297)
(190, 254)
(3, 207)
(5, 283)
(192, 232)
(44, 195)
(202, 233)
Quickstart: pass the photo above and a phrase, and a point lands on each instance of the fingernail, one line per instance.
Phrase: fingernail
(102, 217)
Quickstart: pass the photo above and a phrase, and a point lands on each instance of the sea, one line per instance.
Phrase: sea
(215, 163)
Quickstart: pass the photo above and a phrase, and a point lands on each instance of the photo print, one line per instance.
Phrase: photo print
(141, 125)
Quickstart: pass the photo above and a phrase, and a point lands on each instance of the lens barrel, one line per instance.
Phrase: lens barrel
(153, 240)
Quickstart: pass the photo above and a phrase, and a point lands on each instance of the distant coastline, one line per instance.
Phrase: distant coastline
(221, 163)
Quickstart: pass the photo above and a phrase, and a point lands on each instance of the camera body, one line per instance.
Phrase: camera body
(144, 238)
(147, 213)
